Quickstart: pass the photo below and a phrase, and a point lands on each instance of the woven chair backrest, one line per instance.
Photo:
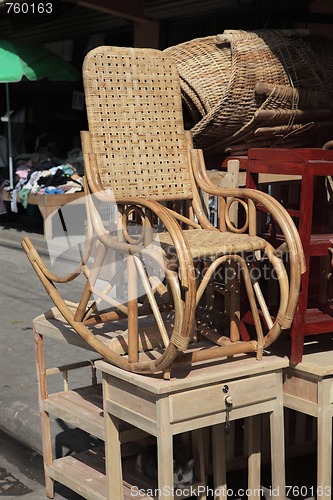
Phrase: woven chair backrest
(135, 121)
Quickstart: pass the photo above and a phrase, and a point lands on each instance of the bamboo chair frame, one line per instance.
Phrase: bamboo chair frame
(185, 239)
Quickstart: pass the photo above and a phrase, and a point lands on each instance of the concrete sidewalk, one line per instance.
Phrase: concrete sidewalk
(22, 474)
(22, 298)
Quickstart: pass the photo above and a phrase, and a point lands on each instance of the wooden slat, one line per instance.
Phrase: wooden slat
(79, 477)
(53, 325)
(132, 477)
(85, 474)
(82, 408)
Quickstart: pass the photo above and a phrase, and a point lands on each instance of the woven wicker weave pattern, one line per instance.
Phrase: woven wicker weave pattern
(139, 140)
(211, 244)
(219, 78)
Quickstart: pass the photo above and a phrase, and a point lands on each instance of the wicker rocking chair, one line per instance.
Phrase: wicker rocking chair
(163, 291)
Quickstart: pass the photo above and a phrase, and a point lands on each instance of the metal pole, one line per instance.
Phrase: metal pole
(10, 149)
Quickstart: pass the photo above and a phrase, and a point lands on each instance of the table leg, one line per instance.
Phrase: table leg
(199, 437)
(254, 454)
(114, 477)
(165, 465)
(47, 219)
(277, 443)
(324, 440)
(44, 416)
(164, 451)
(219, 461)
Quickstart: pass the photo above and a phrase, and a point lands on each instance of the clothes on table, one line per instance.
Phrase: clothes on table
(44, 178)
(3, 184)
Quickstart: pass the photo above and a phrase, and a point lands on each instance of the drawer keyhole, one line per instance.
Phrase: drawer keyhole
(228, 404)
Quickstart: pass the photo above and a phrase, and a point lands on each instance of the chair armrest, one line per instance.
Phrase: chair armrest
(275, 208)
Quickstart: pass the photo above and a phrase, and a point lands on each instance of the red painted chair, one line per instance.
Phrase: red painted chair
(314, 313)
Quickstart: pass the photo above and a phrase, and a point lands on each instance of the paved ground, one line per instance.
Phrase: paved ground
(22, 298)
(21, 473)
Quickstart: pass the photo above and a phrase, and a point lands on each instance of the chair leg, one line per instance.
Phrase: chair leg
(233, 298)
(99, 259)
(133, 338)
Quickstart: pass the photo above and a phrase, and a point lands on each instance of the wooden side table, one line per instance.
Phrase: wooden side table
(48, 204)
(205, 395)
(308, 388)
(80, 407)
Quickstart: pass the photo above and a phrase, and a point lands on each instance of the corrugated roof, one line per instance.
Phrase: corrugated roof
(162, 9)
(68, 21)
(71, 21)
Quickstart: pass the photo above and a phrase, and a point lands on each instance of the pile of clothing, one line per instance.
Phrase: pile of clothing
(44, 178)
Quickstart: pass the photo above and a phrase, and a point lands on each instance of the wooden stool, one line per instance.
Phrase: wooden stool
(203, 396)
(308, 388)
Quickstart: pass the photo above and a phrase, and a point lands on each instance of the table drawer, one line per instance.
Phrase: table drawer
(209, 400)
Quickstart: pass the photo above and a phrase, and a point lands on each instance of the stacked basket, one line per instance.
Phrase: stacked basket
(263, 88)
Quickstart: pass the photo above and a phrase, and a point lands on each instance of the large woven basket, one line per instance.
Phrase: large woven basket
(260, 88)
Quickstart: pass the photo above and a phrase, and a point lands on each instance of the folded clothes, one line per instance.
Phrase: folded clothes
(53, 190)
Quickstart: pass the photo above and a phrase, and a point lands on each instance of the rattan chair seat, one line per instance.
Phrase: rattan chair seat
(211, 244)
